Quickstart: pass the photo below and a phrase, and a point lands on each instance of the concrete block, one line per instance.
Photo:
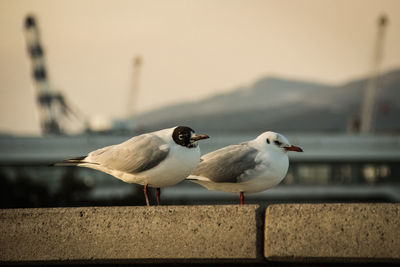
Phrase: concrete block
(131, 234)
(333, 232)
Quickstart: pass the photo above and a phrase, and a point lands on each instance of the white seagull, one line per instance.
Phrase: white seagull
(157, 159)
(248, 167)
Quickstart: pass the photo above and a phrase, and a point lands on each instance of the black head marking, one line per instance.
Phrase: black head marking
(182, 135)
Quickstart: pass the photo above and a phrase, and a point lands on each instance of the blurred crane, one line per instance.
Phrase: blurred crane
(128, 124)
(132, 99)
(368, 105)
(53, 107)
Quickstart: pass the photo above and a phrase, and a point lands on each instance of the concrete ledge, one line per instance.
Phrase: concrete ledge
(333, 232)
(131, 234)
(196, 234)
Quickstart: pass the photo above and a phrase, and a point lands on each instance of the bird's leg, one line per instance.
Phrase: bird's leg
(145, 195)
(241, 198)
(158, 194)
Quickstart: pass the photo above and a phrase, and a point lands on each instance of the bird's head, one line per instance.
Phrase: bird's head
(185, 136)
(276, 142)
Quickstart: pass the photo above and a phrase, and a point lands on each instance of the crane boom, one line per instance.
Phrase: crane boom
(45, 97)
(368, 105)
(53, 107)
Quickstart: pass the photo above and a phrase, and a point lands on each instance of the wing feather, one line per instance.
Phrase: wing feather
(227, 164)
(135, 155)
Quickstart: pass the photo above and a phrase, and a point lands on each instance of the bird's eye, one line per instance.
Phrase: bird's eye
(277, 143)
(267, 141)
(180, 137)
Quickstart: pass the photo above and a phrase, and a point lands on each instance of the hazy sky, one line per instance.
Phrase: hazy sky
(191, 49)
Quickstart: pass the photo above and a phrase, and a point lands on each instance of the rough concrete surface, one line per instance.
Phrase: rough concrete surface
(126, 233)
(333, 232)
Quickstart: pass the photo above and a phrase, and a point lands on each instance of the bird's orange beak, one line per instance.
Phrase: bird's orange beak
(198, 137)
(293, 148)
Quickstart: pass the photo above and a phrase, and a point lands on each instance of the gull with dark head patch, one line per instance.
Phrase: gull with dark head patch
(248, 167)
(157, 159)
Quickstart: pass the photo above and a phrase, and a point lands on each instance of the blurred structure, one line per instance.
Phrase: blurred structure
(368, 106)
(129, 124)
(132, 98)
(53, 107)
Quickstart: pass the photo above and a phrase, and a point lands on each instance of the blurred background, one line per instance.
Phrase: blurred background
(80, 75)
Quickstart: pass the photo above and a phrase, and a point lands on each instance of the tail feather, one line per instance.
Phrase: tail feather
(71, 162)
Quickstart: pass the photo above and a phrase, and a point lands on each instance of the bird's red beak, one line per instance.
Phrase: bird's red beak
(293, 148)
(198, 137)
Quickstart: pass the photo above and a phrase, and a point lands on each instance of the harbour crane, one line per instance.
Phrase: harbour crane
(368, 105)
(53, 107)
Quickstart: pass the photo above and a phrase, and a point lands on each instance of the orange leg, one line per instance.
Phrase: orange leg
(158, 196)
(241, 198)
(145, 195)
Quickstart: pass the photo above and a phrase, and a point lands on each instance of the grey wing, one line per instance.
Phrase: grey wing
(227, 164)
(135, 155)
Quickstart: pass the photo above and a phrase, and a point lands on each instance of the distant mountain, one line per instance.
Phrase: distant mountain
(283, 105)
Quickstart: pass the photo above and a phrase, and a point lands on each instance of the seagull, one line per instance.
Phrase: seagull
(157, 159)
(248, 167)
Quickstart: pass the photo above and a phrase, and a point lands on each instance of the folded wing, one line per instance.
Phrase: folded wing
(135, 155)
(226, 164)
